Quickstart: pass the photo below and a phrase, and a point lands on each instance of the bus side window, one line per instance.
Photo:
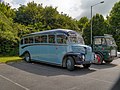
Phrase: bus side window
(38, 39)
(51, 38)
(26, 40)
(30, 39)
(44, 39)
(21, 42)
(61, 39)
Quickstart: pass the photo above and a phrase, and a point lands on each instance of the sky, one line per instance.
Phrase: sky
(74, 8)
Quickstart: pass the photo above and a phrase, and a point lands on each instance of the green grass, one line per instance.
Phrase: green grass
(5, 59)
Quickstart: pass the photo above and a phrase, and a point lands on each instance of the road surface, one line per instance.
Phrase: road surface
(37, 76)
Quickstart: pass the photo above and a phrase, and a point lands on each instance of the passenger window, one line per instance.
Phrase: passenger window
(38, 39)
(97, 41)
(44, 39)
(30, 39)
(51, 38)
(26, 40)
(61, 39)
(21, 42)
(100, 41)
(103, 42)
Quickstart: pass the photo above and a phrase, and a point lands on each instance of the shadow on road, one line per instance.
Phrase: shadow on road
(49, 70)
(103, 66)
(117, 85)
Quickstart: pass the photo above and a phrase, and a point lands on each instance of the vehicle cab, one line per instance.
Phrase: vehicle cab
(105, 48)
(78, 51)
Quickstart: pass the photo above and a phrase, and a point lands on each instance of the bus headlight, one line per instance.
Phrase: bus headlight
(83, 57)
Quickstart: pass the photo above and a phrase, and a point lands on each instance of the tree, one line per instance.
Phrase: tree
(50, 15)
(43, 18)
(99, 27)
(114, 21)
(29, 14)
(8, 36)
(6, 9)
(66, 22)
(81, 23)
(9, 33)
(86, 33)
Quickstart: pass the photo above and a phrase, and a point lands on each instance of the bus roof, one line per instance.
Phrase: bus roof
(64, 31)
(105, 36)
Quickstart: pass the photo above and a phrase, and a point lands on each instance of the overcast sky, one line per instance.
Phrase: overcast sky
(74, 8)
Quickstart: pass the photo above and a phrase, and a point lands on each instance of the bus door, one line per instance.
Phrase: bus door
(52, 54)
(61, 47)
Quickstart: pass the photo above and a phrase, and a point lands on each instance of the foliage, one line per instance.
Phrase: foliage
(6, 9)
(43, 18)
(7, 35)
(81, 23)
(114, 22)
(29, 14)
(86, 33)
(99, 27)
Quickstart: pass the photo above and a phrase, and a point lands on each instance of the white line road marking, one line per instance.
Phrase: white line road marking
(14, 82)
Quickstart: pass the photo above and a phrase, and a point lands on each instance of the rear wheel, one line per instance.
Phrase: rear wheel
(70, 63)
(99, 59)
(86, 65)
(27, 57)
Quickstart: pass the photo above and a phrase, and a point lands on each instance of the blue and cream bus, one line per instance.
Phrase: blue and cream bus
(58, 46)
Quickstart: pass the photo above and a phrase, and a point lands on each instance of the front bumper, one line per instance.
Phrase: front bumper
(110, 58)
(83, 62)
(88, 59)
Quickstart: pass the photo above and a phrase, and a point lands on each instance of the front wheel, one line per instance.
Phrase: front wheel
(27, 57)
(70, 63)
(86, 65)
(99, 59)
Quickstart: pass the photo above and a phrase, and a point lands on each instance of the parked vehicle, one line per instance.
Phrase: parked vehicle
(105, 49)
(118, 54)
(59, 46)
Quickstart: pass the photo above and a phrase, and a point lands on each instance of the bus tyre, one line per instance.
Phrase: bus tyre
(27, 57)
(70, 63)
(86, 65)
(99, 59)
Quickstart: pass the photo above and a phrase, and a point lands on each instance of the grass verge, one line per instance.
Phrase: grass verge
(6, 59)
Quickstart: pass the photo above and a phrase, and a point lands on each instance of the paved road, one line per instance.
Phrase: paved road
(37, 76)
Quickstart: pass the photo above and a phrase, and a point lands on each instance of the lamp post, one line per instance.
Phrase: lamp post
(91, 17)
